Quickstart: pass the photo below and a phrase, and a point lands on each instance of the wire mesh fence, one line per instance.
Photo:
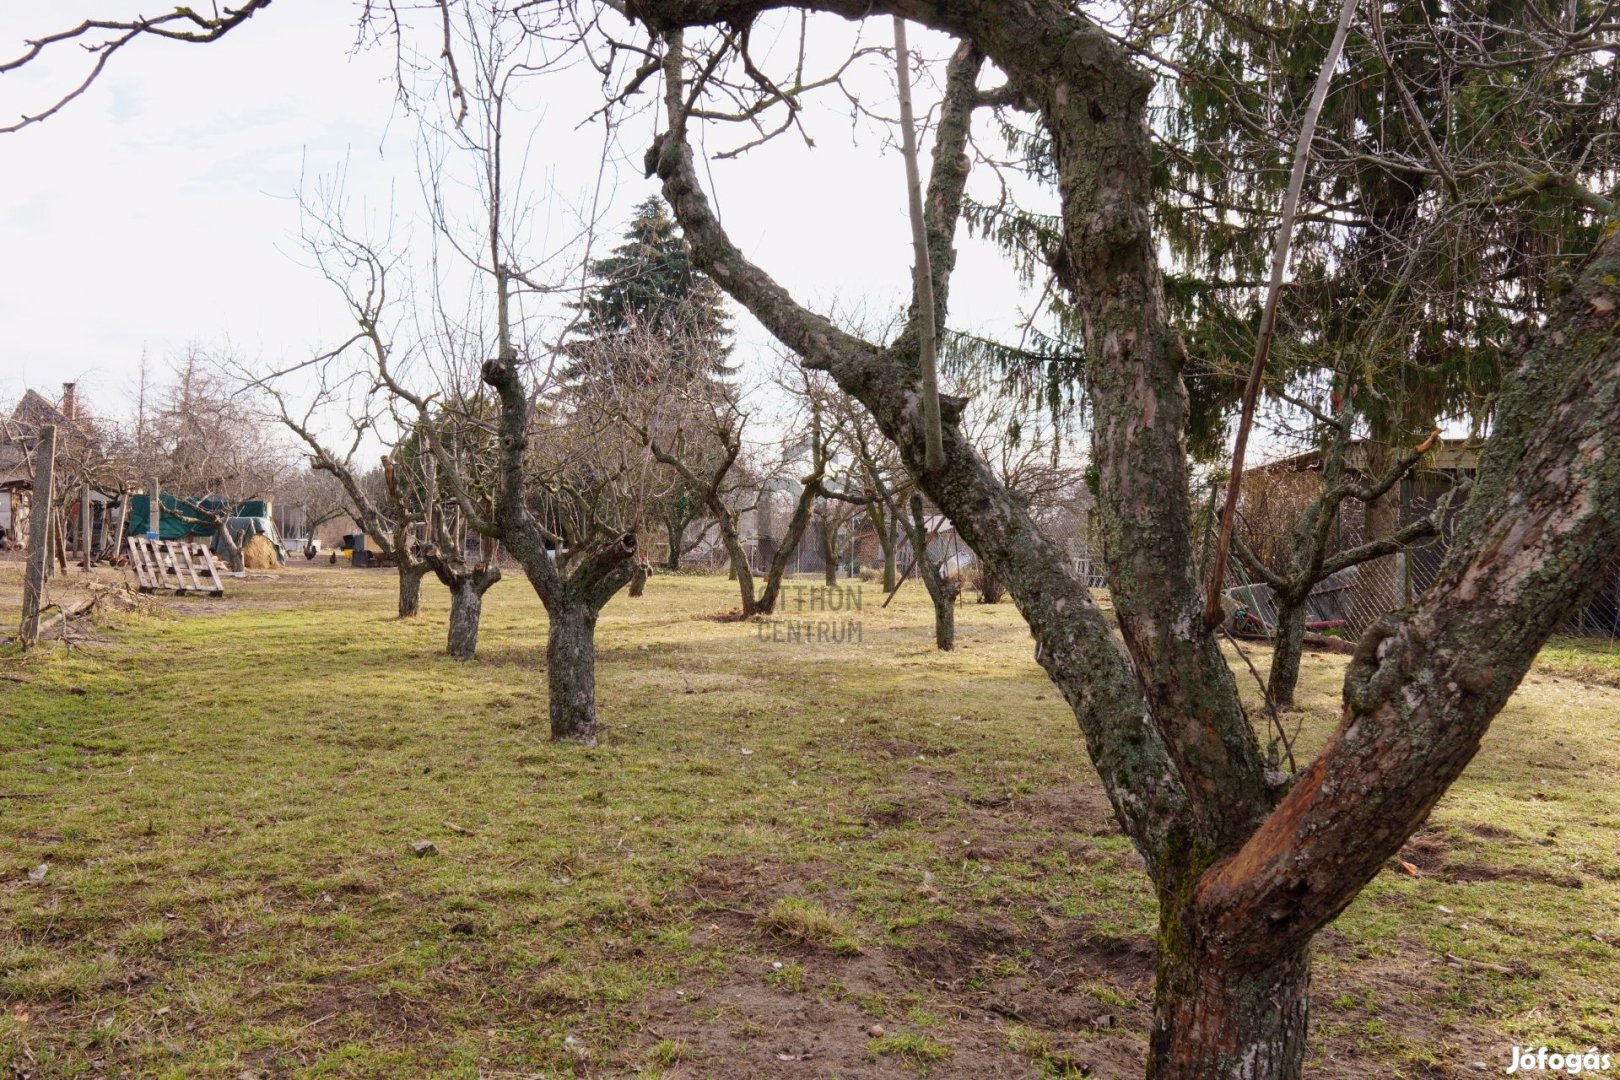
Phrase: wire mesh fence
(1348, 602)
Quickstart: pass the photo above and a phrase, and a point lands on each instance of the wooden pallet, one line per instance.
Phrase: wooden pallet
(172, 564)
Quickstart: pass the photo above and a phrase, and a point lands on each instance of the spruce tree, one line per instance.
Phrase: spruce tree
(1408, 278)
(648, 291)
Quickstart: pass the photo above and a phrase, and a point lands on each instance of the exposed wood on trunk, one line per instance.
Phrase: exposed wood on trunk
(1423, 688)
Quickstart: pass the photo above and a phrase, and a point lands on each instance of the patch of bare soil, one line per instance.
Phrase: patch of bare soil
(1082, 995)
(1078, 808)
(1426, 851)
(741, 1027)
(1396, 994)
(734, 615)
(1430, 854)
(378, 1009)
(1089, 993)
(832, 1020)
(747, 887)
(1467, 872)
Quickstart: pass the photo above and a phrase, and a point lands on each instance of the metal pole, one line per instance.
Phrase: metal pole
(154, 511)
(39, 535)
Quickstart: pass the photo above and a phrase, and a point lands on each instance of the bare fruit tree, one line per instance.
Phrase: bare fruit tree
(1248, 864)
(568, 492)
(694, 427)
(383, 516)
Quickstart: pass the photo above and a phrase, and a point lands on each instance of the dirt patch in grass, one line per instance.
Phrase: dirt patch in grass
(380, 1010)
(1045, 964)
(892, 813)
(741, 1027)
(1072, 808)
(1427, 850)
(1469, 872)
(951, 953)
(735, 615)
(856, 1017)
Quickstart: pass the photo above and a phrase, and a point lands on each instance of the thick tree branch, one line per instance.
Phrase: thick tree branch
(1078, 648)
(1544, 515)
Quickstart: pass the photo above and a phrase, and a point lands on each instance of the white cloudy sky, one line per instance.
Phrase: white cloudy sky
(158, 210)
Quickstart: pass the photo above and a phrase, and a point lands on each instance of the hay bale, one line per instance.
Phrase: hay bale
(258, 553)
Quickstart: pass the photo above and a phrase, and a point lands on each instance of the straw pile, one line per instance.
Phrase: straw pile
(258, 553)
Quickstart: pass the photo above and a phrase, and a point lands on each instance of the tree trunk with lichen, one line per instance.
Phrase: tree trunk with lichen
(1211, 1022)
(410, 589)
(467, 587)
(574, 586)
(1287, 648)
(466, 611)
(1246, 872)
(573, 600)
(571, 673)
(797, 523)
(740, 572)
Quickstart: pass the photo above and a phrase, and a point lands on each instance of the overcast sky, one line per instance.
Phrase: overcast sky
(158, 210)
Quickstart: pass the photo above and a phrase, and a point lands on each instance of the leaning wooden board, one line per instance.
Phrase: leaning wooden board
(173, 564)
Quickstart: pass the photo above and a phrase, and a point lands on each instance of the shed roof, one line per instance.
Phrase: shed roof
(1447, 455)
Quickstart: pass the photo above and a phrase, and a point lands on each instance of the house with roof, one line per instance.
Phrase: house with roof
(78, 460)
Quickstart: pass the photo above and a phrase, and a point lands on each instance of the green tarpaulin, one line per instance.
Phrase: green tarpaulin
(180, 518)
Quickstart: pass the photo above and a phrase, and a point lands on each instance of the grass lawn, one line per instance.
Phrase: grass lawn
(856, 859)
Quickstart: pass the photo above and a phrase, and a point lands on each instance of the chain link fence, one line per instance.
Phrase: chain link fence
(1349, 601)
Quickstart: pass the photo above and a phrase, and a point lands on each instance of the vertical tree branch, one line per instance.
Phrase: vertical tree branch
(927, 331)
(1268, 317)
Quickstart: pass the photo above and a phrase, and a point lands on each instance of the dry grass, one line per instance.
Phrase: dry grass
(226, 800)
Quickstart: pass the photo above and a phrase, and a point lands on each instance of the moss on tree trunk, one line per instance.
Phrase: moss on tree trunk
(571, 673)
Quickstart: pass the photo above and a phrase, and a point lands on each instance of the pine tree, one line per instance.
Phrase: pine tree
(1406, 283)
(649, 291)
